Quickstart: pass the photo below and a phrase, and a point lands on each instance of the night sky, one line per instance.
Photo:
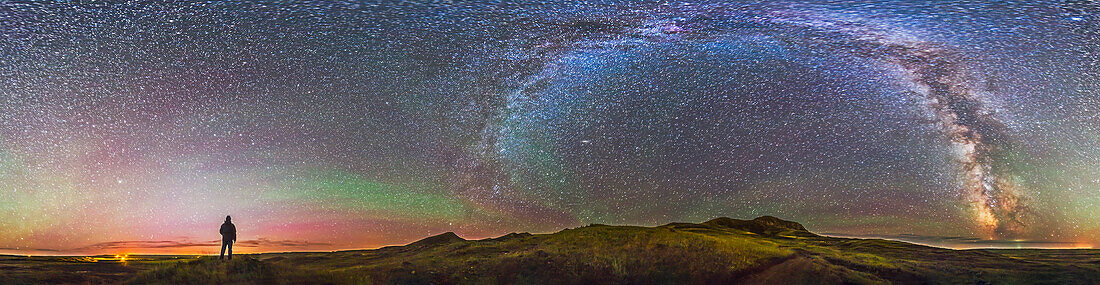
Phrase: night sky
(137, 127)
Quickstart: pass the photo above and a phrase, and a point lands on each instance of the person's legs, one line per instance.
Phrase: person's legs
(230, 243)
(222, 255)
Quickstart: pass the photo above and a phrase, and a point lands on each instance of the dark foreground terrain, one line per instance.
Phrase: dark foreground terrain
(764, 250)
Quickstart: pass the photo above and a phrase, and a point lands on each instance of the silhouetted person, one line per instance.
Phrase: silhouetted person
(229, 236)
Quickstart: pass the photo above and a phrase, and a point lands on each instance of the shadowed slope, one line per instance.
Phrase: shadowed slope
(766, 225)
(436, 240)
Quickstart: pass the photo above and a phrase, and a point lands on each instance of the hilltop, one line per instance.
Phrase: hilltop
(764, 250)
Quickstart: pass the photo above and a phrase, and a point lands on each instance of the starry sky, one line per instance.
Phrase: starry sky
(137, 126)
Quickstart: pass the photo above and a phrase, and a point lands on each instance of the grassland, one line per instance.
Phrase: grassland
(765, 250)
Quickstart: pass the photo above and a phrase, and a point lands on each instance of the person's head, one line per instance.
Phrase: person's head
(227, 219)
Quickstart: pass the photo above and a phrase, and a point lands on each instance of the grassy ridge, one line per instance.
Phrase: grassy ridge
(760, 251)
(765, 250)
(243, 270)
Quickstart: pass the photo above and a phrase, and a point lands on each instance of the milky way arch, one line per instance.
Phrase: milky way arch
(939, 76)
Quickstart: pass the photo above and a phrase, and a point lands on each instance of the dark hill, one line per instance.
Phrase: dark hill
(766, 225)
(436, 240)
